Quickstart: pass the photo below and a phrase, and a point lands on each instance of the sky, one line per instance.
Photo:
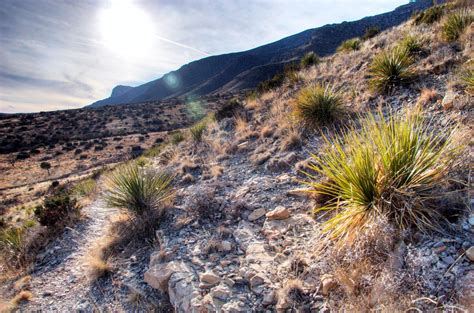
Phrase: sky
(65, 54)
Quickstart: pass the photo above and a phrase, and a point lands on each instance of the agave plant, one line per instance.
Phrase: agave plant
(137, 189)
(309, 59)
(388, 168)
(391, 68)
(318, 105)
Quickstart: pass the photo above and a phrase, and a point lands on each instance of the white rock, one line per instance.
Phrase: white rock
(226, 246)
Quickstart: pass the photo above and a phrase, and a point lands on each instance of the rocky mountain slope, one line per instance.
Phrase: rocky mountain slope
(243, 70)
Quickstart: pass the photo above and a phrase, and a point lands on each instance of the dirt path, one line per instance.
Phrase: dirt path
(59, 280)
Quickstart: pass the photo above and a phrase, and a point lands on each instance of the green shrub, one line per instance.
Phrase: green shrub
(371, 32)
(468, 80)
(318, 105)
(84, 187)
(390, 69)
(388, 168)
(12, 239)
(413, 45)
(350, 45)
(429, 16)
(197, 130)
(456, 23)
(57, 209)
(177, 137)
(137, 189)
(229, 109)
(309, 59)
(270, 84)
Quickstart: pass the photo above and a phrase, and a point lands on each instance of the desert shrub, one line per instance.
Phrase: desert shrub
(177, 137)
(318, 105)
(272, 83)
(84, 187)
(57, 209)
(456, 23)
(229, 109)
(391, 68)
(413, 45)
(350, 45)
(197, 130)
(12, 240)
(137, 189)
(371, 32)
(429, 16)
(389, 168)
(153, 151)
(309, 59)
(467, 79)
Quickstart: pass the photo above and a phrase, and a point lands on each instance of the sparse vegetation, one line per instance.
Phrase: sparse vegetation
(389, 168)
(45, 166)
(177, 137)
(137, 189)
(391, 68)
(467, 79)
(371, 32)
(350, 45)
(413, 45)
(309, 59)
(84, 188)
(455, 24)
(318, 105)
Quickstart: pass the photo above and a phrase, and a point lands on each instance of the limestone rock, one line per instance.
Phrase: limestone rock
(279, 213)
(257, 280)
(470, 253)
(220, 292)
(256, 214)
(210, 278)
(159, 274)
(448, 100)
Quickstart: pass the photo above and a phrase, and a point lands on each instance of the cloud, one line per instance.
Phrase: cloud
(52, 55)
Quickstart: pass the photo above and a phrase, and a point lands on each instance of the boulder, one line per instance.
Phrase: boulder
(210, 278)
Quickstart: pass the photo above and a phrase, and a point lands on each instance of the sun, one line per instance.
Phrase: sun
(126, 29)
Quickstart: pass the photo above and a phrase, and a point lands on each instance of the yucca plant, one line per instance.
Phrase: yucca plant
(468, 80)
(391, 68)
(197, 130)
(309, 59)
(137, 189)
(350, 45)
(413, 45)
(12, 239)
(318, 105)
(456, 23)
(388, 168)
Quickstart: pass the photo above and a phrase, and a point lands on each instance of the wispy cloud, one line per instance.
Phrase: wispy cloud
(52, 55)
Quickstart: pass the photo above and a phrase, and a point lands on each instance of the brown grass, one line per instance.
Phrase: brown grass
(21, 297)
(97, 267)
(427, 97)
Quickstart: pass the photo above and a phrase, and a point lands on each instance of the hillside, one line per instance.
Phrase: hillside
(244, 70)
(347, 188)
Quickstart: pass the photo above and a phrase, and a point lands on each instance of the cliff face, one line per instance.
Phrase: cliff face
(236, 71)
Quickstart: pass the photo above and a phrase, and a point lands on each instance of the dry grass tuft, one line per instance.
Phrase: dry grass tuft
(427, 97)
(96, 264)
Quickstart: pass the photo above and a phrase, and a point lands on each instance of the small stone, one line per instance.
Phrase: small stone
(256, 214)
(440, 249)
(470, 253)
(220, 292)
(210, 278)
(448, 260)
(471, 220)
(257, 280)
(225, 246)
(327, 284)
(448, 100)
(279, 213)
(269, 298)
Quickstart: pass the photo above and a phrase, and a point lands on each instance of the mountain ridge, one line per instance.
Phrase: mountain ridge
(233, 71)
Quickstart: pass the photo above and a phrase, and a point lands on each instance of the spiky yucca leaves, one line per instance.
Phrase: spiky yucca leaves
(137, 189)
(391, 68)
(309, 59)
(387, 169)
(350, 45)
(413, 45)
(456, 23)
(197, 130)
(467, 79)
(318, 105)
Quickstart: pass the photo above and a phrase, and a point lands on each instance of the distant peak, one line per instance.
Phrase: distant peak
(120, 90)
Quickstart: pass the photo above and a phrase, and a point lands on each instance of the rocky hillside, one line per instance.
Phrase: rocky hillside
(275, 205)
(243, 70)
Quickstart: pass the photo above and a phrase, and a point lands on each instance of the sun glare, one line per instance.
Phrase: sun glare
(126, 29)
